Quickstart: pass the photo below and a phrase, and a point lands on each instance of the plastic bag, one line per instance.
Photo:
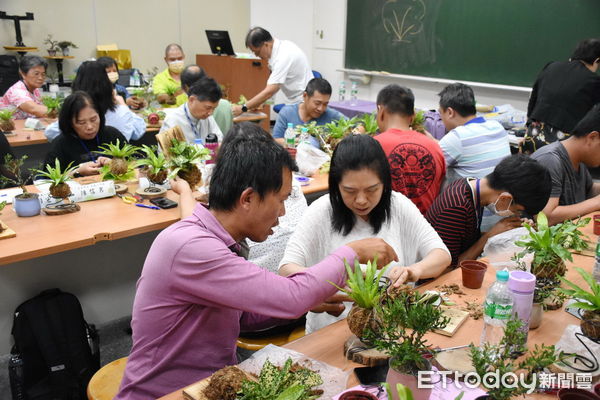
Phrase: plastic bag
(309, 158)
(500, 248)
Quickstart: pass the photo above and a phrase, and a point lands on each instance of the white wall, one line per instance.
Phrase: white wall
(143, 26)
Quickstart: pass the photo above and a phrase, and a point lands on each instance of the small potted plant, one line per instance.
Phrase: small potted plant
(53, 105)
(172, 100)
(65, 47)
(335, 131)
(154, 165)
(6, 121)
(183, 160)
(366, 292)
(120, 168)
(58, 179)
(498, 359)
(588, 301)
(367, 124)
(402, 322)
(25, 204)
(52, 46)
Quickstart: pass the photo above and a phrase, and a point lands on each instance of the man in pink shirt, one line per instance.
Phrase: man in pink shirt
(196, 292)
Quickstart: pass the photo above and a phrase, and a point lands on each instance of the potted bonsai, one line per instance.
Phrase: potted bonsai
(65, 47)
(184, 157)
(25, 204)
(498, 359)
(58, 179)
(588, 301)
(120, 168)
(154, 164)
(53, 105)
(366, 292)
(6, 122)
(402, 322)
(52, 46)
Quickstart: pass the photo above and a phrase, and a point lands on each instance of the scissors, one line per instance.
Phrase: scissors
(129, 198)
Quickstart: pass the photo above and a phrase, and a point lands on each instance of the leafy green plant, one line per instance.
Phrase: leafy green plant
(55, 175)
(365, 290)
(2, 205)
(120, 168)
(6, 115)
(312, 128)
(402, 322)
(183, 160)
(53, 104)
(418, 122)
(587, 299)
(369, 122)
(13, 174)
(499, 358)
(63, 44)
(170, 90)
(154, 163)
(286, 383)
(243, 100)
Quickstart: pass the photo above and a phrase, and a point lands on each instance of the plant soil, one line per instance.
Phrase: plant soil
(61, 190)
(7, 125)
(118, 166)
(193, 176)
(52, 113)
(551, 269)
(171, 100)
(360, 318)
(590, 324)
(158, 178)
(225, 383)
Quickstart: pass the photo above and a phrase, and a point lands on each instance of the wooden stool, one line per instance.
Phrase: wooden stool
(254, 344)
(105, 383)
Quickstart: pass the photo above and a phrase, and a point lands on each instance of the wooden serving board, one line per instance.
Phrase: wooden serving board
(357, 351)
(194, 391)
(6, 231)
(455, 360)
(457, 317)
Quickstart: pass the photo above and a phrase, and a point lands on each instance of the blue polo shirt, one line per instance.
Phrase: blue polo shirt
(290, 114)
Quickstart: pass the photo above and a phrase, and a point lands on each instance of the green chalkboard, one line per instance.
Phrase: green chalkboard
(494, 41)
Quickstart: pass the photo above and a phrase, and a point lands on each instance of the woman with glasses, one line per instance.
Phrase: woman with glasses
(25, 95)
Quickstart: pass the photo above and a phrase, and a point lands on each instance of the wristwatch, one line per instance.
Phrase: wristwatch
(244, 108)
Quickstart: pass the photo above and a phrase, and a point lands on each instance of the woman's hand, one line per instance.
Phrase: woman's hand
(400, 275)
(135, 103)
(89, 168)
(103, 160)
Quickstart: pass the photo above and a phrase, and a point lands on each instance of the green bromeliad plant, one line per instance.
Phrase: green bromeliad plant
(57, 177)
(120, 167)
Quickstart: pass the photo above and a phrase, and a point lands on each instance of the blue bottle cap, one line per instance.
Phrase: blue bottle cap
(502, 276)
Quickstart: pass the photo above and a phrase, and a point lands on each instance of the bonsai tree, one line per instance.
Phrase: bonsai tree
(402, 322)
(588, 300)
(52, 46)
(498, 358)
(184, 157)
(154, 164)
(120, 168)
(13, 175)
(64, 46)
(53, 105)
(58, 178)
(365, 292)
(6, 122)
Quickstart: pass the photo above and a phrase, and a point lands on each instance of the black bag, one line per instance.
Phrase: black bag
(56, 352)
(9, 72)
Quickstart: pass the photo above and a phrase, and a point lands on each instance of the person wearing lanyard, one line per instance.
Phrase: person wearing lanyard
(194, 117)
(82, 133)
(517, 184)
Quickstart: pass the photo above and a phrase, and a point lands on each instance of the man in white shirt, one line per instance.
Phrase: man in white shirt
(194, 117)
(289, 67)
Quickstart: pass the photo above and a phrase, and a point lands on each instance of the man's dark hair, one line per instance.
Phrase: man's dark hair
(107, 62)
(250, 160)
(587, 50)
(354, 153)
(589, 123)
(91, 78)
(247, 132)
(257, 36)
(397, 99)
(460, 97)
(318, 85)
(28, 62)
(172, 46)
(71, 108)
(190, 75)
(206, 89)
(525, 179)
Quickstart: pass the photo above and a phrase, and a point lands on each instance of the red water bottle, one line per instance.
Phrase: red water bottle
(211, 143)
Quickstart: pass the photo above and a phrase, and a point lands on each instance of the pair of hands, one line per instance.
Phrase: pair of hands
(135, 103)
(506, 224)
(93, 167)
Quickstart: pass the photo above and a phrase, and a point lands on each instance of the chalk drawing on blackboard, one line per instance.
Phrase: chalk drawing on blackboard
(403, 19)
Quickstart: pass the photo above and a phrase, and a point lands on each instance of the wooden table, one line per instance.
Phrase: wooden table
(327, 344)
(22, 136)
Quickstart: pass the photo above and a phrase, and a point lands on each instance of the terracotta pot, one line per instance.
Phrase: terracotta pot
(410, 381)
(357, 395)
(537, 312)
(576, 394)
(590, 327)
(473, 272)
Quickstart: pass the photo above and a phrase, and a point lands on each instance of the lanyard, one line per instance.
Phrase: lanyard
(194, 128)
(478, 207)
(92, 157)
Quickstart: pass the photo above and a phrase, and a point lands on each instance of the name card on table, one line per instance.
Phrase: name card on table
(79, 193)
(33, 123)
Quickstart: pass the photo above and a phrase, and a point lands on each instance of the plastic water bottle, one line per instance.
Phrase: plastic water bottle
(304, 136)
(342, 91)
(212, 142)
(596, 270)
(354, 93)
(497, 309)
(290, 136)
(16, 377)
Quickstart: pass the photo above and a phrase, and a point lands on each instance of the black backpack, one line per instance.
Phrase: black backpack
(56, 352)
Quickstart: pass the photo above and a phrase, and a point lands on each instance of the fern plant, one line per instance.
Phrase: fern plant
(184, 157)
(120, 168)
(154, 163)
(53, 105)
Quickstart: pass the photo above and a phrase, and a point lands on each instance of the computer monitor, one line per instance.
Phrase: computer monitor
(219, 42)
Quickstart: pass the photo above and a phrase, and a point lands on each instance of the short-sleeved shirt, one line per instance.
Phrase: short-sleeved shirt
(453, 215)
(18, 94)
(474, 149)
(291, 114)
(417, 165)
(290, 69)
(569, 185)
(192, 128)
(162, 82)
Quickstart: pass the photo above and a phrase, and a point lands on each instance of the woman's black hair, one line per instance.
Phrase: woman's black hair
(91, 78)
(28, 62)
(250, 160)
(587, 50)
(107, 62)
(71, 108)
(354, 153)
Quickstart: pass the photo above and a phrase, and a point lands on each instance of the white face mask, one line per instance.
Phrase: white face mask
(113, 76)
(501, 213)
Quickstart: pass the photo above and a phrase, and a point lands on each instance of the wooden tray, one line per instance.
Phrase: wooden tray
(6, 231)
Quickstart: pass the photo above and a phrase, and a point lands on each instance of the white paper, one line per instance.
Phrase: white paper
(9, 194)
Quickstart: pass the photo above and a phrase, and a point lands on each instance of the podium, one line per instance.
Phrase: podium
(237, 76)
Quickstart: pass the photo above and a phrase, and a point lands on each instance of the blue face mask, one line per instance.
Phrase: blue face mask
(501, 213)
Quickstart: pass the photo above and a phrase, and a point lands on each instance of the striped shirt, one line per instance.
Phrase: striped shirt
(474, 149)
(454, 218)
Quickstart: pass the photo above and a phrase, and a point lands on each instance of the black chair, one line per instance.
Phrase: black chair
(9, 72)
